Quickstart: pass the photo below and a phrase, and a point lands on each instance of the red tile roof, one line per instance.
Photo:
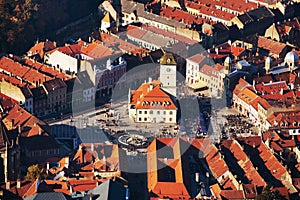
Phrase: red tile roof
(7, 102)
(264, 104)
(247, 96)
(144, 98)
(231, 194)
(96, 50)
(126, 47)
(170, 34)
(271, 45)
(171, 190)
(240, 86)
(244, 162)
(41, 47)
(197, 58)
(254, 103)
(215, 162)
(181, 16)
(18, 116)
(10, 66)
(210, 11)
(83, 185)
(271, 88)
(209, 71)
(27, 188)
(277, 170)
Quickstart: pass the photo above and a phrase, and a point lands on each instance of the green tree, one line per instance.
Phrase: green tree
(269, 194)
(34, 172)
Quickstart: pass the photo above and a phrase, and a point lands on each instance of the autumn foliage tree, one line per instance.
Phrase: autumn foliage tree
(34, 172)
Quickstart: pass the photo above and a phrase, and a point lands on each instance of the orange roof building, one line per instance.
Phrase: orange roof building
(165, 169)
(150, 103)
(155, 101)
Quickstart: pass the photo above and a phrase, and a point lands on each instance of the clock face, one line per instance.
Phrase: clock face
(168, 69)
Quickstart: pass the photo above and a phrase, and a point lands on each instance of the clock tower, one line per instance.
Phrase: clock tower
(168, 73)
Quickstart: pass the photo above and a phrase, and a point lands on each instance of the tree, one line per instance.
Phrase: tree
(34, 172)
(269, 194)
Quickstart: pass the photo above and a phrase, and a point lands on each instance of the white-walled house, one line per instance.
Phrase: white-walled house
(193, 65)
(149, 103)
(105, 73)
(88, 92)
(61, 60)
(155, 101)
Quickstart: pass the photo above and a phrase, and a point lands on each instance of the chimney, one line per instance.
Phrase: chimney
(253, 83)
(150, 80)
(104, 160)
(47, 167)
(67, 162)
(54, 44)
(18, 183)
(7, 185)
(151, 87)
(19, 129)
(217, 50)
(281, 91)
(197, 177)
(71, 189)
(92, 148)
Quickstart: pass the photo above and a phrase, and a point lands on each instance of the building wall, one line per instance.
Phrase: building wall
(213, 83)
(61, 60)
(192, 70)
(88, 94)
(272, 33)
(57, 99)
(107, 79)
(28, 105)
(156, 115)
(168, 78)
(11, 91)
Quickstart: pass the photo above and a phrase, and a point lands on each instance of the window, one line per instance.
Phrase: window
(158, 112)
(164, 112)
(140, 112)
(151, 112)
(171, 112)
(145, 119)
(140, 119)
(170, 119)
(145, 112)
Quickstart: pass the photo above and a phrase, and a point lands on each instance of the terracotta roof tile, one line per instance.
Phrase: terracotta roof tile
(271, 45)
(171, 190)
(231, 194)
(264, 104)
(197, 58)
(145, 98)
(27, 188)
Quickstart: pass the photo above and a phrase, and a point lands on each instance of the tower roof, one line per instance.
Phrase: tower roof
(107, 18)
(228, 60)
(291, 57)
(167, 59)
(268, 60)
